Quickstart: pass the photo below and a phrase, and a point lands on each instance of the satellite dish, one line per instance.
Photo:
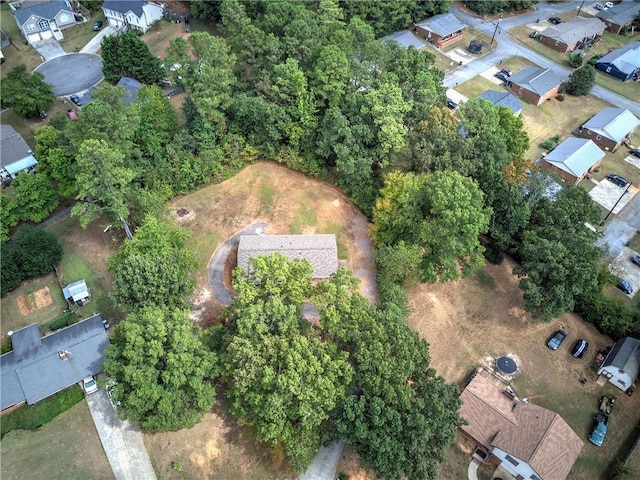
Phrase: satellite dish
(10, 332)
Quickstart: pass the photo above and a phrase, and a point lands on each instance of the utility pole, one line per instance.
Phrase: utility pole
(580, 8)
(616, 204)
(496, 30)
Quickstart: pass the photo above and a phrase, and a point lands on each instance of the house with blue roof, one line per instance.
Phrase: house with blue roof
(573, 159)
(623, 63)
(610, 128)
(135, 14)
(39, 367)
(77, 293)
(503, 99)
(15, 155)
(43, 20)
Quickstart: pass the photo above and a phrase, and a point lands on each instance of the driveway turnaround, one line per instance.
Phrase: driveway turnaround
(49, 48)
(72, 73)
(121, 441)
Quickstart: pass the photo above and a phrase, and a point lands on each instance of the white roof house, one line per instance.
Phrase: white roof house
(575, 157)
(613, 123)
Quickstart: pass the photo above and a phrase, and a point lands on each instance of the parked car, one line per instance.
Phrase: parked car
(636, 259)
(600, 430)
(89, 385)
(475, 46)
(451, 104)
(97, 26)
(555, 20)
(579, 348)
(75, 99)
(624, 286)
(617, 179)
(635, 152)
(71, 113)
(608, 5)
(599, 6)
(557, 339)
(507, 72)
(502, 76)
(534, 34)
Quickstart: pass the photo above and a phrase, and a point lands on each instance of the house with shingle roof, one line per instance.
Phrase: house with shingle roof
(622, 63)
(15, 155)
(619, 16)
(406, 39)
(39, 367)
(441, 30)
(136, 14)
(622, 365)
(534, 84)
(610, 128)
(568, 36)
(573, 159)
(320, 250)
(503, 99)
(527, 440)
(42, 20)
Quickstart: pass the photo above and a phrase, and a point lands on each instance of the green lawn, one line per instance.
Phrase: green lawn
(17, 53)
(77, 37)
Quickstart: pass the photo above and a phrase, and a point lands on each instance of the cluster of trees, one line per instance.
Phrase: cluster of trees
(126, 55)
(489, 8)
(25, 93)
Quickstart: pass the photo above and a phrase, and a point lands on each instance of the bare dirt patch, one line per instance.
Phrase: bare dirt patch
(34, 301)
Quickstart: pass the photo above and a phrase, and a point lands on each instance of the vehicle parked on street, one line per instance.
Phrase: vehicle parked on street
(599, 6)
(75, 99)
(89, 385)
(624, 286)
(580, 348)
(600, 430)
(557, 339)
(618, 180)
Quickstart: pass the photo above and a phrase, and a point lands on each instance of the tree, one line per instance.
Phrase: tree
(8, 216)
(26, 93)
(36, 196)
(36, 251)
(162, 370)
(581, 80)
(127, 55)
(154, 268)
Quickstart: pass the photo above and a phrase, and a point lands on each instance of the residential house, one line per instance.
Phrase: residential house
(622, 364)
(405, 39)
(535, 85)
(39, 367)
(528, 441)
(504, 99)
(15, 155)
(5, 41)
(320, 251)
(568, 36)
(441, 30)
(77, 293)
(622, 63)
(42, 20)
(619, 16)
(573, 159)
(131, 87)
(610, 128)
(136, 14)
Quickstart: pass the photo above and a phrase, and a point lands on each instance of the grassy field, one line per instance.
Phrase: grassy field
(77, 37)
(17, 53)
(67, 447)
(161, 33)
(27, 127)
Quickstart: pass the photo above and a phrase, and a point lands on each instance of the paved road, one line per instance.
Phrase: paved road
(72, 73)
(121, 441)
(623, 227)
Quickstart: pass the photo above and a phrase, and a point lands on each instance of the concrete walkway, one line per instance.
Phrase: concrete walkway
(472, 471)
(121, 441)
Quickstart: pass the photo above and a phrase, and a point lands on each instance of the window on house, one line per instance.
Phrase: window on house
(598, 137)
(621, 382)
(512, 460)
(608, 69)
(43, 24)
(31, 27)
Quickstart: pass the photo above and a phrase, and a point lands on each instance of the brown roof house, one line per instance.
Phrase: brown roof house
(535, 85)
(321, 251)
(566, 37)
(529, 442)
(441, 30)
(610, 128)
(619, 16)
(573, 159)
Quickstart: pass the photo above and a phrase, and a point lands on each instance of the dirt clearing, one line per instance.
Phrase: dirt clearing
(34, 301)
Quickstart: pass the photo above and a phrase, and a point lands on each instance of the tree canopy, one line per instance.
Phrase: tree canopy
(26, 93)
(127, 55)
(581, 80)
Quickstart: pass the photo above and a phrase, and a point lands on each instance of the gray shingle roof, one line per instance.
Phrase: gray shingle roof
(33, 370)
(575, 156)
(131, 86)
(626, 59)
(12, 146)
(443, 24)
(537, 80)
(625, 355)
(621, 14)
(320, 251)
(574, 30)
(505, 99)
(124, 6)
(46, 10)
(613, 123)
(405, 39)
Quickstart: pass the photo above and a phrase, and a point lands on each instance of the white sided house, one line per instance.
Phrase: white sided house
(622, 365)
(136, 14)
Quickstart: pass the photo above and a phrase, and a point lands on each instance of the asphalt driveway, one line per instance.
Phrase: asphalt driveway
(72, 73)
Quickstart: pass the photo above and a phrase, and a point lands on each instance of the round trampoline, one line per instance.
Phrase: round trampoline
(506, 365)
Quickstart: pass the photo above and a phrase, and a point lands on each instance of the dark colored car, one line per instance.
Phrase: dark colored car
(557, 339)
(534, 34)
(600, 430)
(580, 348)
(635, 152)
(475, 46)
(617, 179)
(636, 259)
(97, 26)
(75, 99)
(555, 20)
(624, 286)
(451, 104)
(507, 72)
(502, 76)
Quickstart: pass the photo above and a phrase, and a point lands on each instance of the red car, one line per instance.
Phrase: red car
(72, 114)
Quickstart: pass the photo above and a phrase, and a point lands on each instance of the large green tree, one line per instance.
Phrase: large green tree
(162, 370)
(26, 93)
(581, 80)
(127, 55)
(35, 195)
(8, 216)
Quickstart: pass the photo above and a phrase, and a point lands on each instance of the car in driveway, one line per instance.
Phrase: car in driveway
(451, 104)
(97, 26)
(618, 180)
(624, 286)
(75, 99)
(89, 385)
(600, 430)
(635, 152)
(555, 20)
(608, 5)
(580, 348)
(556, 340)
(502, 76)
(599, 6)
(636, 259)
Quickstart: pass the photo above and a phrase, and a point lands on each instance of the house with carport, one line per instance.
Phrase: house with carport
(534, 84)
(573, 159)
(619, 16)
(569, 36)
(622, 365)
(610, 128)
(623, 63)
(135, 14)
(441, 30)
(526, 440)
(43, 20)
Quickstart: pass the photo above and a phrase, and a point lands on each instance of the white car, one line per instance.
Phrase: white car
(89, 385)
(599, 6)
(608, 5)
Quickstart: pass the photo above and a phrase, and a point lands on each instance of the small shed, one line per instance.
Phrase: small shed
(77, 293)
(622, 365)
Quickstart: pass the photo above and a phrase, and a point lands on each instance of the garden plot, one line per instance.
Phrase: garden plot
(606, 194)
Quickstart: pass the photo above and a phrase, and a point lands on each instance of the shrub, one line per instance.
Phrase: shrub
(63, 321)
(593, 60)
(576, 60)
(581, 80)
(551, 143)
(6, 346)
(493, 254)
(11, 275)
(560, 97)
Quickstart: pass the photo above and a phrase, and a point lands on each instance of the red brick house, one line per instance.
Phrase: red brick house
(567, 37)
(441, 30)
(610, 128)
(535, 85)
(573, 159)
(619, 16)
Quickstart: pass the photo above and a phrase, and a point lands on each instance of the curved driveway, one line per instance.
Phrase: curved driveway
(72, 73)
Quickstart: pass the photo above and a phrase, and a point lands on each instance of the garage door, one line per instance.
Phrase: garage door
(46, 34)
(34, 37)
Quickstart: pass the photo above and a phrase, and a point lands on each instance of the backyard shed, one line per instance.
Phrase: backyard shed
(622, 365)
(77, 293)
